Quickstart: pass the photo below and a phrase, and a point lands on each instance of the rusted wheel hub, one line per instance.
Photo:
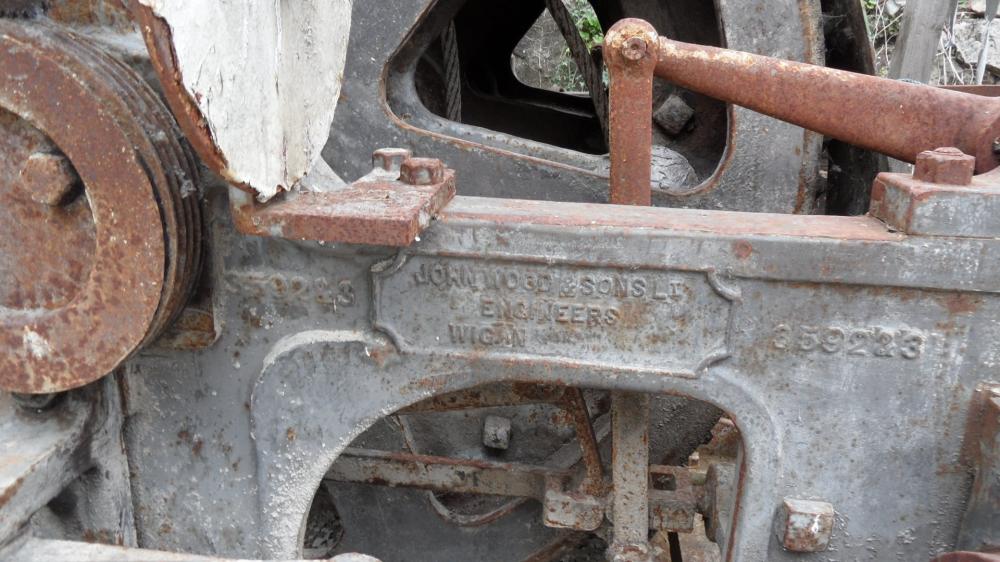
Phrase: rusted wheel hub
(97, 192)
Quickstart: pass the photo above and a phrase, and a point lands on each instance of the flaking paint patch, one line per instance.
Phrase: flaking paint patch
(36, 345)
(266, 76)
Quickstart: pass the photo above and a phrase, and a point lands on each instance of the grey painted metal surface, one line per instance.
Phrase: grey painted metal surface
(854, 357)
(67, 456)
(849, 355)
(630, 471)
(835, 319)
(855, 354)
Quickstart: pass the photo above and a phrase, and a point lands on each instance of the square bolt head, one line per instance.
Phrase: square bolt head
(47, 178)
(390, 159)
(422, 171)
(946, 166)
(496, 432)
(804, 525)
(673, 115)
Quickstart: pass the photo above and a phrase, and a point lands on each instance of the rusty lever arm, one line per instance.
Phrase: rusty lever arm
(896, 118)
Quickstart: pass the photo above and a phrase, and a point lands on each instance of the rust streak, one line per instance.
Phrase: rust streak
(11, 491)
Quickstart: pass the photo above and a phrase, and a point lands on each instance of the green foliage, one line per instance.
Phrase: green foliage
(587, 23)
(567, 75)
(883, 25)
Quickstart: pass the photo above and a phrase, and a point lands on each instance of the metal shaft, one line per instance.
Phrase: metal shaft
(630, 53)
(896, 118)
(630, 475)
(630, 49)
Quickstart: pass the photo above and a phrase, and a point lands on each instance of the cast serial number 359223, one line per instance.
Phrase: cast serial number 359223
(860, 342)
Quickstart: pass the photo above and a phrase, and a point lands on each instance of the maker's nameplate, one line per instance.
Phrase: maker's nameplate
(671, 321)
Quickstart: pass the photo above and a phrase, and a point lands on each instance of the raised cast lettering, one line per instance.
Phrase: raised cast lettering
(672, 321)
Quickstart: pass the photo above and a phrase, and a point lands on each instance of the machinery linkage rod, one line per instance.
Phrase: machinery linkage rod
(898, 119)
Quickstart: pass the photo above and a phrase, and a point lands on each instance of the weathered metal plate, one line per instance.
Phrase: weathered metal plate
(926, 209)
(676, 322)
(376, 213)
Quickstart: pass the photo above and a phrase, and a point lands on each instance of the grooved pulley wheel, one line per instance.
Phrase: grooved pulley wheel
(98, 197)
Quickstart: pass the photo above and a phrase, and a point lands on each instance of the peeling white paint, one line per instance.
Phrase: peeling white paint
(266, 75)
(37, 345)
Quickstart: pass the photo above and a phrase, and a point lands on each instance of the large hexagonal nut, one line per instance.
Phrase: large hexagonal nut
(804, 525)
(47, 178)
(390, 159)
(946, 166)
(422, 171)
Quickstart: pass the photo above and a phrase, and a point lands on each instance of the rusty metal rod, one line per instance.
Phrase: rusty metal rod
(575, 405)
(670, 510)
(630, 475)
(896, 118)
(443, 474)
(630, 52)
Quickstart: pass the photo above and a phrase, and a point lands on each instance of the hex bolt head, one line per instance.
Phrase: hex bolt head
(422, 171)
(390, 159)
(634, 48)
(804, 525)
(947, 166)
(47, 178)
(496, 432)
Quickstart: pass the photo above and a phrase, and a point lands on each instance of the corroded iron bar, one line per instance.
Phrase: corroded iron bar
(443, 474)
(630, 476)
(576, 406)
(630, 53)
(896, 118)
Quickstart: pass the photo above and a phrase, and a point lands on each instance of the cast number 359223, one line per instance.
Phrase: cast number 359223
(858, 342)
